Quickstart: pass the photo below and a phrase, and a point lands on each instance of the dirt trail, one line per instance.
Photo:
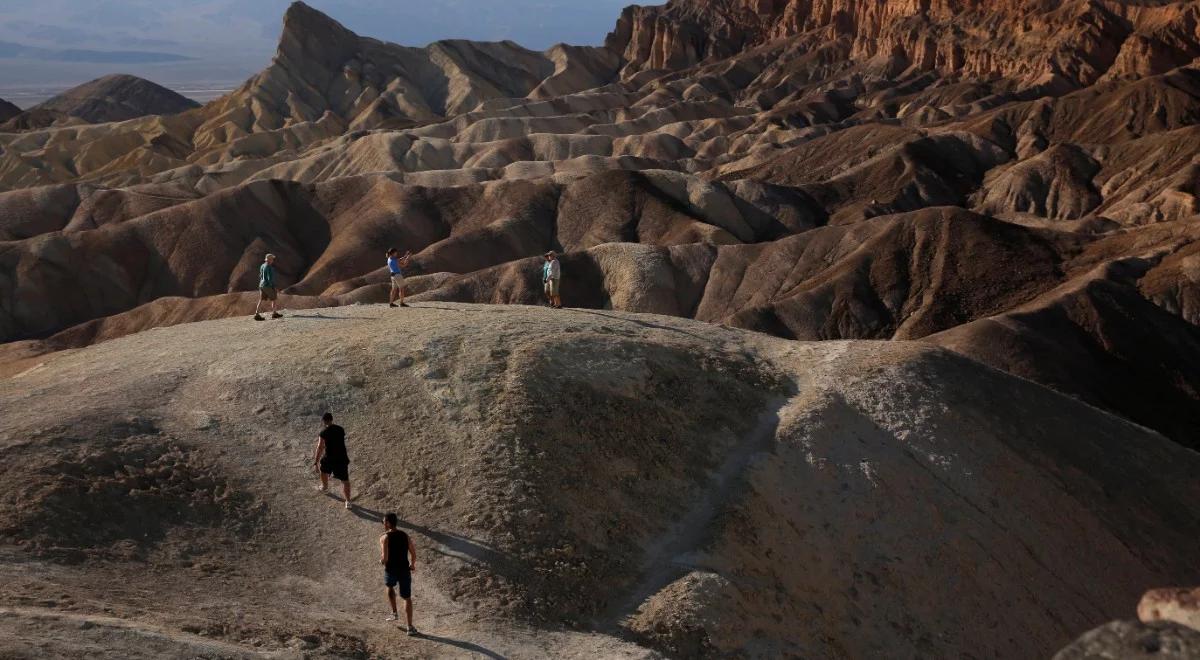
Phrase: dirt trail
(32, 624)
(669, 556)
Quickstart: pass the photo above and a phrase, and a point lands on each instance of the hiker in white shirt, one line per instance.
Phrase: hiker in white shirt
(551, 275)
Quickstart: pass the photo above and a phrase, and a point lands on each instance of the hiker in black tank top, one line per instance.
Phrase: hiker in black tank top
(330, 456)
(395, 548)
(397, 552)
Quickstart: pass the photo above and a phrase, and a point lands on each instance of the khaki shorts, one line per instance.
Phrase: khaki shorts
(552, 287)
(267, 293)
(397, 281)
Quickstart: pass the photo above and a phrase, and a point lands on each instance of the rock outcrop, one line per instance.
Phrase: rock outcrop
(1071, 43)
(322, 69)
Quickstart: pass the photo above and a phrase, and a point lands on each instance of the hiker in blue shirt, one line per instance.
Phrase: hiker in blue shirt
(266, 288)
(396, 265)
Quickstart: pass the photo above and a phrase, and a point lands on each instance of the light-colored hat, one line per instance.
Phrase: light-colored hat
(268, 257)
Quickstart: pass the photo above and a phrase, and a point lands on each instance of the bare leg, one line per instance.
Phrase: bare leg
(324, 482)
(401, 290)
(346, 490)
(392, 295)
(392, 600)
(407, 611)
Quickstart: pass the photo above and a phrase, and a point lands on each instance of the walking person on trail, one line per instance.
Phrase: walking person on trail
(396, 548)
(330, 456)
(266, 288)
(551, 274)
(396, 265)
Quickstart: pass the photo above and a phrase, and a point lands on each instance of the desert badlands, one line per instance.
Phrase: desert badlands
(881, 339)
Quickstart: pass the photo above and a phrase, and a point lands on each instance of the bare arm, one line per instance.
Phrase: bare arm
(412, 552)
(318, 450)
(383, 550)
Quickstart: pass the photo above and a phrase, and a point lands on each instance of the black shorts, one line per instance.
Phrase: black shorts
(403, 579)
(340, 471)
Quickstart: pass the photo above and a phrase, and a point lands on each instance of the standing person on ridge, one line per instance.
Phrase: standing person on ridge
(330, 456)
(396, 266)
(395, 549)
(266, 288)
(551, 274)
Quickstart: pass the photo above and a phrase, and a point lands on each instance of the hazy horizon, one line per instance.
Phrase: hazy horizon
(48, 46)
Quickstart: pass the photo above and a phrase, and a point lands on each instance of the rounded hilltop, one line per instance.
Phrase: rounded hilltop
(578, 482)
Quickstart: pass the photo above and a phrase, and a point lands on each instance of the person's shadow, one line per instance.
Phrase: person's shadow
(369, 515)
(465, 646)
(464, 547)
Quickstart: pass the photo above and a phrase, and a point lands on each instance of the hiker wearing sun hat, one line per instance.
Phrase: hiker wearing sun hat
(551, 275)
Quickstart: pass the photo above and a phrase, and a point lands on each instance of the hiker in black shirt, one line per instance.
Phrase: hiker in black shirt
(396, 547)
(330, 456)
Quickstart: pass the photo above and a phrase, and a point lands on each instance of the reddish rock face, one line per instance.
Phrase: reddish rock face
(1033, 41)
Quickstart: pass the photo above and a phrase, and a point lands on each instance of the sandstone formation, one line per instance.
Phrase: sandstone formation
(1030, 41)
(117, 98)
(769, 497)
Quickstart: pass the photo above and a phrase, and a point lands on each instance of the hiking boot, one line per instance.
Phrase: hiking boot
(258, 317)
(393, 617)
(404, 304)
(412, 631)
(276, 315)
(393, 305)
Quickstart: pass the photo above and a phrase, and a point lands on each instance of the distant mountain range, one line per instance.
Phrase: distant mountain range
(12, 50)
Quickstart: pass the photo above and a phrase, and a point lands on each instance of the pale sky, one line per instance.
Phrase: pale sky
(231, 39)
